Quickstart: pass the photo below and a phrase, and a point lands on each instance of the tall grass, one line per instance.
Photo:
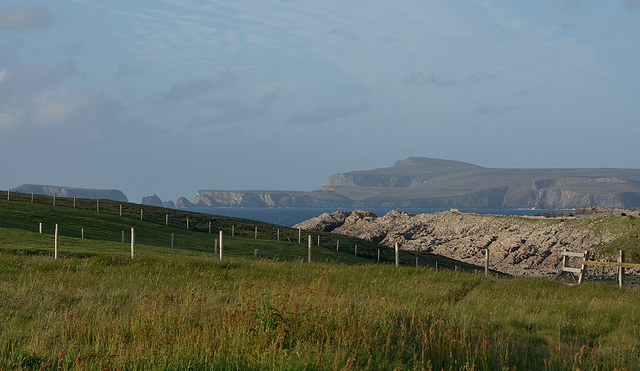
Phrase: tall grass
(195, 312)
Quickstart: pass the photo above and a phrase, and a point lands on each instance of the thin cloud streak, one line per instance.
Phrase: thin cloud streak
(232, 110)
(419, 79)
(197, 87)
(324, 113)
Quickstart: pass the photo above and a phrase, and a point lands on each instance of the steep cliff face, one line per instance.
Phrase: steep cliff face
(266, 199)
(567, 193)
(517, 245)
(60, 191)
(368, 180)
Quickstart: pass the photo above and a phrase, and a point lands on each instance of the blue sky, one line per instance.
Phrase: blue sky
(173, 96)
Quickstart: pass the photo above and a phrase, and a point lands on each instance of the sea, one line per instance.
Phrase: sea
(290, 216)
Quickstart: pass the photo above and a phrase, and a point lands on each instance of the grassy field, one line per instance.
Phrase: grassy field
(183, 308)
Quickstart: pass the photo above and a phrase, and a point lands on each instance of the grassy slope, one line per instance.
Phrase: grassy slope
(178, 309)
(107, 226)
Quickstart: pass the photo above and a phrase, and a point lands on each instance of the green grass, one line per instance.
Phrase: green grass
(183, 308)
(195, 312)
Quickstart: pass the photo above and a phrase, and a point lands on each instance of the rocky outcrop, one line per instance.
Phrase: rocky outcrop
(152, 200)
(60, 191)
(183, 202)
(517, 245)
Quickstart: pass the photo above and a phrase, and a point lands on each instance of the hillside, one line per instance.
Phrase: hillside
(433, 183)
(103, 226)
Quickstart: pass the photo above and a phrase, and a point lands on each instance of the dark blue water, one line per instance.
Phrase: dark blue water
(289, 216)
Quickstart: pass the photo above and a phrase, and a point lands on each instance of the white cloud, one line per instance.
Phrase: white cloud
(322, 113)
(125, 70)
(36, 96)
(232, 109)
(61, 104)
(35, 76)
(197, 87)
(24, 17)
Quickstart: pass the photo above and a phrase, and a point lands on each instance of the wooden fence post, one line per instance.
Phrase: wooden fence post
(397, 255)
(55, 244)
(172, 240)
(120, 210)
(31, 196)
(54, 199)
(215, 246)
(123, 236)
(621, 269)
(166, 219)
(255, 253)
(141, 211)
(378, 254)
(133, 242)
(318, 240)
(299, 235)
(187, 223)
(416, 262)
(309, 254)
(278, 234)
(82, 233)
(97, 205)
(583, 268)
(8, 193)
(209, 226)
(40, 227)
(74, 202)
(337, 245)
(233, 230)
(220, 245)
(355, 251)
(486, 262)
(255, 236)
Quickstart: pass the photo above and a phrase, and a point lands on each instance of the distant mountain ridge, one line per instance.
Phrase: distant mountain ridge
(62, 191)
(435, 183)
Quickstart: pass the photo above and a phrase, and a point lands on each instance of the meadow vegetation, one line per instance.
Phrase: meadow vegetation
(98, 309)
(197, 312)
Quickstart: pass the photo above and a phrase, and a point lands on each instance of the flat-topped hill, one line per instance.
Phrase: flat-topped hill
(62, 191)
(434, 183)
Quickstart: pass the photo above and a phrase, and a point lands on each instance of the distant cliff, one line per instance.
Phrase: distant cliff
(433, 183)
(267, 199)
(60, 191)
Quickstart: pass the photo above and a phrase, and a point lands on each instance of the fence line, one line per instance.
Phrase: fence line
(620, 265)
(170, 239)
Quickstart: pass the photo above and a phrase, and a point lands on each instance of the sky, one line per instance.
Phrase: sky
(174, 96)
